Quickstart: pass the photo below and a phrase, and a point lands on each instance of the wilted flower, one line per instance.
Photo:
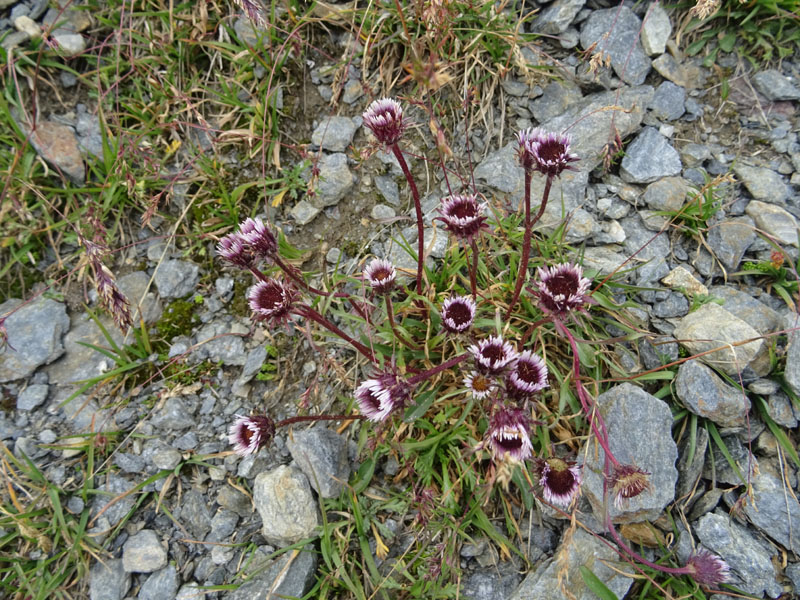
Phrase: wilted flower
(528, 377)
(255, 11)
(492, 355)
(628, 481)
(479, 384)
(707, 568)
(462, 215)
(560, 481)
(562, 288)
(378, 397)
(508, 435)
(458, 312)
(271, 300)
(545, 152)
(384, 118)
(258, 238)
(381, 275)
(249, 434)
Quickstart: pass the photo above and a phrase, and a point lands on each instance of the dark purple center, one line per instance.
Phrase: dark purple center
(381, 274)
(564, 284)
(270, 296)
(508, 444)
(493, 353)
(528, 372)
(551, 151)
(459, 313)
(464, 210)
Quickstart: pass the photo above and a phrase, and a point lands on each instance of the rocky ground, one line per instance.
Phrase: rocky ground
(220, 507)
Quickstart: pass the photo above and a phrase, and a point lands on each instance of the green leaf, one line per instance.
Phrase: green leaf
(598, 587)
(424, 402)
(728, 41)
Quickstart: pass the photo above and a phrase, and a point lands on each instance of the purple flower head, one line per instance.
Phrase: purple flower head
(378, 397)
(562, 288)
(508, 435)
(479, 384)
(628, 481)
(257, 236)
(271, 300)
(384, 118)
(233, 249)
(381, 275)
(545, 152)
(458, 313)
(493, 355)
(462, 215)
(708, 568)
(249, 434)
(528, 377)
(560, 481)
(255, 11)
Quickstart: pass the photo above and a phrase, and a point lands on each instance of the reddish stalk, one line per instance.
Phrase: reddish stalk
(473, 269)
(307, 311)
(390, 316)
(438, 369)
(418, 208)
(302, 419)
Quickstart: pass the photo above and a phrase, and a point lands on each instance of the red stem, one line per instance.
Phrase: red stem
(474, 269)
(438, 369)
(418, 208)
(301, 419)
(390, 316)
(307, 311)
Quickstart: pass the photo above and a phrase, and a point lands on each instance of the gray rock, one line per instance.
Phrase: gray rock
(108, 580)
(69, 42)
(756, 314)
(322, 455)
(792, 371)
(234, 500)
(704, 393)
(616, 32)
(638, 426)
(671, 69)
(780, 410)
(190, 591)
(718, 469)
(335, 180)
(222, 341)
(223, 524)
(144, 304)
(649, 157)
(555, 575)
(667, 102)
(693, 155)
(289, 575)
(288, 510)
(656, 352)
(167, 458)
(388, 188)
(35, 333)
(775, 86)
(176, 278)
(751, 568)
(382, 212)
(555, 99)
(32, 396)
(304, 212)
(667, 194)
(161, 585)
(195, 514)
(655, 30)
(774, 510)
(334, 134)
(143, 553)
(674, 305)
(649, 253)
(491, 583)
(558, 16)
(774, 220)
(762, 183)
(793, 573)
(710, 327)
(604, 259)
(252, 364)
(129, 463)
(174, 415)
(690, 468)
(730, 240)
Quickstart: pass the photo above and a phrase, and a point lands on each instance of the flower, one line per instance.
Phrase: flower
(378, 397)
(628, 481)
(560, 481)
(545, 152)
(384, 118)
(492, 355)
(562, 288)
(528, 377)
(381, 275)
(458, 312)
(508, 435)
(707, 568)
(255, 11)
(249, 434)
(233, 249)
(480, 385)
(258, 238)
(271, 300)
(462, 215)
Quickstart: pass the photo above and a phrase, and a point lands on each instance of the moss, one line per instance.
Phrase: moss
(178, 319)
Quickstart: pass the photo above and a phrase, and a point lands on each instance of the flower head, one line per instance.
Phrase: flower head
(562, 288)
(458, 312)
(508, 435)
(462, 215)
(528, 377)
(378, 397)
(707, 568)
(258, 238)
(233, 249)
(381, 275)
(271, 300)
(493, 355)
(560, 481)
(384, 118)
(545, 152)
(628, 481)
(479, 384)
(255, 11)
(249, 434)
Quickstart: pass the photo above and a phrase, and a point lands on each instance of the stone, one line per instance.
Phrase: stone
(648, 254)
(288, 510)
(792, 371)
(674, 305)
(603, 259)
(222, 341)
(321, 454)
(793, 573)
(774, 220)
(649, 157)
(304, 212)
(638, 426)
(29, 26)
(730, 239)
(720, 470)
(144, 303)
(113, 487)
(174, 415)
(68, 42)
(671, 69)
(168, 458)
(756, 314)
(108, 580)
(557, 17)
(161, 585)
(559, 578)
(195, 514)
(32, 396)
(335, 180)
(690, 468)
(143, 553)
(656, 30)
(762, 183)
(35, 333)
(382, 212)
(704, 393)
(781, 410)
(223, 524)
(234, 500)
(694, 155)
(176, 278)
(491, 583)
(289, 575)
(616, 33)
(334, 134)
(57, 144)
(775, 86)
(774, 510)
(711, 327)
(682, 280)
(749, 562)
(388, 188)
(666, 194)
(667, 103)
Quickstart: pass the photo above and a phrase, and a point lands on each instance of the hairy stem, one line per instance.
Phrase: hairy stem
(303, 419)
(307, 311)
(474, 269)
(438, 369)
(418, 208)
